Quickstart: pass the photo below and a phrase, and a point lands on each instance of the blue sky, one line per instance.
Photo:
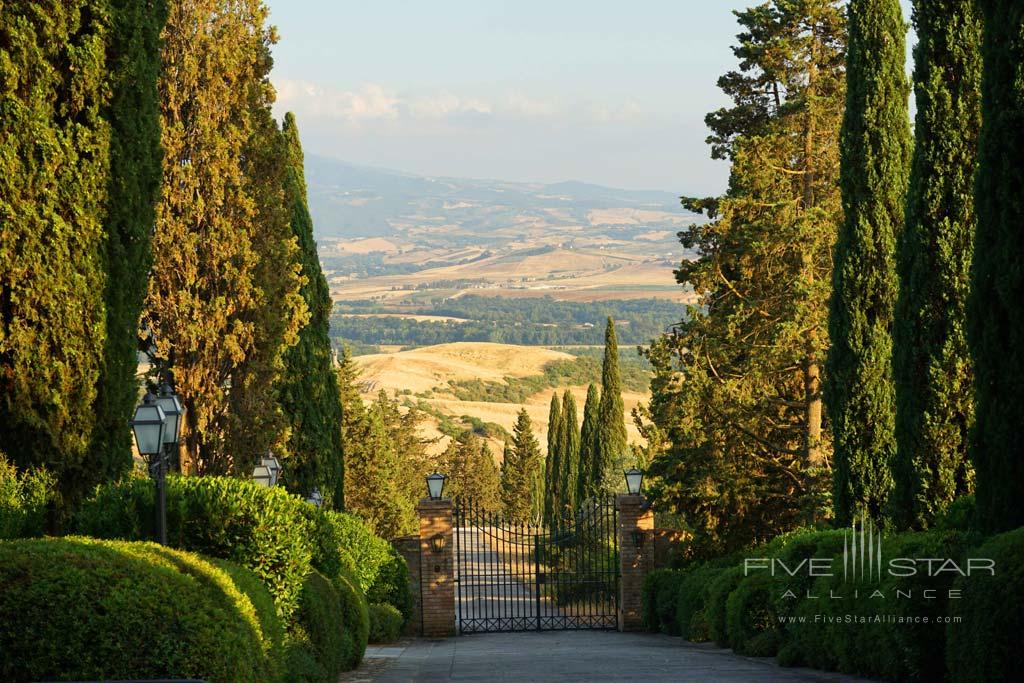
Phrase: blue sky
(606, 92)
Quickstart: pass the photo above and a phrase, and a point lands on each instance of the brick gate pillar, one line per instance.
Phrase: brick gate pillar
(437, 568)
(636, 556)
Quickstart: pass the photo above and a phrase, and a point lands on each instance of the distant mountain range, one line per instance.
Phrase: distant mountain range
(348, 200)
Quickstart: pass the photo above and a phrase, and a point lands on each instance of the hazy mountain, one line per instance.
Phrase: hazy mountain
(348, 200)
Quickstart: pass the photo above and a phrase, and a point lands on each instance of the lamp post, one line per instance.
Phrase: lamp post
(267, 471)
(315, 499)
(435, 486)
(634, 480)
(149, 425)
(174, 411)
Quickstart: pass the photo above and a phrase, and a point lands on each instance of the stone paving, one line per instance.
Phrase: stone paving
(569, 656)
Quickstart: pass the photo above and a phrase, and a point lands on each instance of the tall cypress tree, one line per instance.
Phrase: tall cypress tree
(133, 55)
(309, 388)
(53, 195)
(569, 446)
(994, 312)
(521, 473)
(875, 155)
(585, 484)
(611, 448)
(931, 361)
(552, 462)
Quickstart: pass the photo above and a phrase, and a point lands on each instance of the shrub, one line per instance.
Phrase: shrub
(369, 552)
(658, 601)
(271, 626)
(24, 498)
(749, 614)
(715, 607)
(385, 623)
(986, 645)
(320, 630)
(263, 529)
(391, 585)
(690, 601)
(355, 616)
(86, 609)
(959, 516)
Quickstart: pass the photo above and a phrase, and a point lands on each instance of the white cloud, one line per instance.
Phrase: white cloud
(374, 102)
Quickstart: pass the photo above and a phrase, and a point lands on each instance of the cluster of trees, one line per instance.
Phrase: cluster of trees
(506, 320)
(152, 203)
(582, 460)
(857, 345)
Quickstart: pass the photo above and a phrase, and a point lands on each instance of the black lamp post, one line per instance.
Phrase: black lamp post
(267, 471)
(315, 499)
(149, 425)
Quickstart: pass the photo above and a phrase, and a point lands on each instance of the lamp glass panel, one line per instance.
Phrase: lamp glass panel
(435, 485)
(148, 426)
(634, 480)
(261, 474)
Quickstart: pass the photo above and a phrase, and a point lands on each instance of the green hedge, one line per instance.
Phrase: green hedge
(264, 529)
(385, 623)
(659, 596)
(24, 499)
(356, 618)
(271, 626)
(320, 631)
(760, 613)
(77, 608)
(986, 645)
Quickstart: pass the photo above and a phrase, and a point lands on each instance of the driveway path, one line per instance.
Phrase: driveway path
(569, 656)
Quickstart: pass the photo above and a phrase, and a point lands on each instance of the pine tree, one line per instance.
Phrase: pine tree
(586, 487)
(133, 55)
(610, 445)
(994, 313)
(875, 151)
(54, 189)
(931, 361)
(521, 474)
(552, 463)
(734, 428)
(569, 447)
(309, 386)
(224, 303)
(472, 474)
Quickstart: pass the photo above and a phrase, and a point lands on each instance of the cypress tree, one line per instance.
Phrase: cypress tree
(875, 154)
(610, 446)
(224, 304)
(54, 187)
(585, 484)
(552, 463)
(133, 189)
(931, 361)
(309, 388)
(569, 446)
(994, 312)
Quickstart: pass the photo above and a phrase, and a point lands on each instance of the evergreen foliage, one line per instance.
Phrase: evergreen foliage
(994, 312)
(469, 464)
(735, 427)
(521, 472)
(54, 189)
(309, 387)
(225, 302)
(585, 484)
(569, 446)
(931, 361)
(133, 112)
(553, 463)
(610, 444)
(875, 149)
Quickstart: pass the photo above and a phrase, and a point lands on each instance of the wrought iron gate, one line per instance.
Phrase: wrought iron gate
(520, 577)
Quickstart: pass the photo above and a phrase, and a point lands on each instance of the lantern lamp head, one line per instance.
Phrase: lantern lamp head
(438, 543)
(435, 485)
(315, 498)
(634, 481)
(148, 425)
(273, 465)
(174, 410)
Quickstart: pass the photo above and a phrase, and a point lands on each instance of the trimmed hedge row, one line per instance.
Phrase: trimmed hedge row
(271, 532)
(385, 623)
(795, 617)
(78, 608)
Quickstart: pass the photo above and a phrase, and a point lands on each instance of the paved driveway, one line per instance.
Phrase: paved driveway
(569, 656)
